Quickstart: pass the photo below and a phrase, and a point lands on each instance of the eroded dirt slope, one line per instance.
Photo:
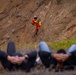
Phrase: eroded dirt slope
(58, 20)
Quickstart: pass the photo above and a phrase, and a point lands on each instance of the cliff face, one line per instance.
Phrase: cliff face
(58, 20)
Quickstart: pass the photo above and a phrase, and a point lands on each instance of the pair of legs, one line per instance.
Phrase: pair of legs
(36, 32)
(45, 53)
(11, 50)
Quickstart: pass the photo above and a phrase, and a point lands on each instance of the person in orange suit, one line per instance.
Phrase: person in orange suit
(36, 23)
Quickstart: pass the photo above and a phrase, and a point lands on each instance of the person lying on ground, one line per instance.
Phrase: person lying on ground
(59, 60)
(12, 60)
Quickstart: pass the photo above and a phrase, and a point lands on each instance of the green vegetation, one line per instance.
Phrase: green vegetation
(62, 44)
(27, 46)
(54, 45)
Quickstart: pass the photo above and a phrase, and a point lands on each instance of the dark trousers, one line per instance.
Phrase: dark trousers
(45, 58)
(27, 64)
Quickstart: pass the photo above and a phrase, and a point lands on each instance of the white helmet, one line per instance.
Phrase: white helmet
(35, 17)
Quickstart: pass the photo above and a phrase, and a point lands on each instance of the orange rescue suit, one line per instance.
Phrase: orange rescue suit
(35, 23)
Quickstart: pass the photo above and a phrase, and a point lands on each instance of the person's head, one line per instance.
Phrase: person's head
(61, 51)
(35, 17)
(17, 54)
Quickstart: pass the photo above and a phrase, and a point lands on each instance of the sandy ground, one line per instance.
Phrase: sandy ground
(58, 20)
(40, 72)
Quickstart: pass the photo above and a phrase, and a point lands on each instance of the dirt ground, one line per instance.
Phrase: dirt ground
(58, 20)
(37, 71)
